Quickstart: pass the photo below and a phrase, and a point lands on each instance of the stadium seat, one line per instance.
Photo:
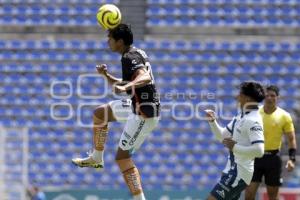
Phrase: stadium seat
(187, 67)
(229, 13)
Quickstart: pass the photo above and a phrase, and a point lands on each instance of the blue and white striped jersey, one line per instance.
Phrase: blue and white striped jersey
(246, 129)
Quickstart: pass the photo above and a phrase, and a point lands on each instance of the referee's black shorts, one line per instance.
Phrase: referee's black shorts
(268, 166)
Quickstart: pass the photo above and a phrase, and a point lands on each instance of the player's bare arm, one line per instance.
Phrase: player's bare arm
(292, 144)
(142, 78)
(102, 69)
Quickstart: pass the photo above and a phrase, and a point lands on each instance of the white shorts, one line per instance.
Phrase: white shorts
(136, 128)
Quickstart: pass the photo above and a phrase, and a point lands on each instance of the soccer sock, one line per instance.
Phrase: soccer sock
(97, 155)
(100, 134)
(133, 181)
(139, 197)
(132, 177)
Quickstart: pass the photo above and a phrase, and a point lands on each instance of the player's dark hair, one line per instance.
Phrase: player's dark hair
(273, 88)
(122, 32)
(253, 90)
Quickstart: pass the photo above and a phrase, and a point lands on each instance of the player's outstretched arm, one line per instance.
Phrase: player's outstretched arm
(102, 69)
(219, 132)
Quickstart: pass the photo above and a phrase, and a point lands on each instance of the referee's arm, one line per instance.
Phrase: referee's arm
(292, 144)
(291, 140)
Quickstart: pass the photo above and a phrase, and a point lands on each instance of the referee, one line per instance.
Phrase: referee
(276, 122)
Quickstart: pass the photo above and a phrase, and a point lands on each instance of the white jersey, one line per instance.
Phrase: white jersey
(246, 129)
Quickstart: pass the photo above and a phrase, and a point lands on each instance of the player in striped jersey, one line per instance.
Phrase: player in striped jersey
(243, 136)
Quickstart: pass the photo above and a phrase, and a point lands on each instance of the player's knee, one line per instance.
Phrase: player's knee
(125, 164)
(122, 154)
(101, 114)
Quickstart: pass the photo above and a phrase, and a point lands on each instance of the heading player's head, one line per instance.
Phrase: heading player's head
(251, 93)
(120, 38)
(272, 95)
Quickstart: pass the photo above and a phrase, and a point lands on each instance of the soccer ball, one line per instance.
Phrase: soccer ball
(109, 16)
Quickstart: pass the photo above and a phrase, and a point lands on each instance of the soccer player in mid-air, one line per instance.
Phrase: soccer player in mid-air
(141, 112)
(244, 138)
(277, 122)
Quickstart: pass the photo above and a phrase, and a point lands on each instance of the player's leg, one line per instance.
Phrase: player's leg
(259, 170)
(102, 116)
(114, 111)
(228, 193)
(130, 174)
(273, 178)
(229, 187)
(273, 192)
(251, 190)
(134, 134)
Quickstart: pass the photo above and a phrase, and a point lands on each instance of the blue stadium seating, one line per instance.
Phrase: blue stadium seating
(28, 67)
(223, 13)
